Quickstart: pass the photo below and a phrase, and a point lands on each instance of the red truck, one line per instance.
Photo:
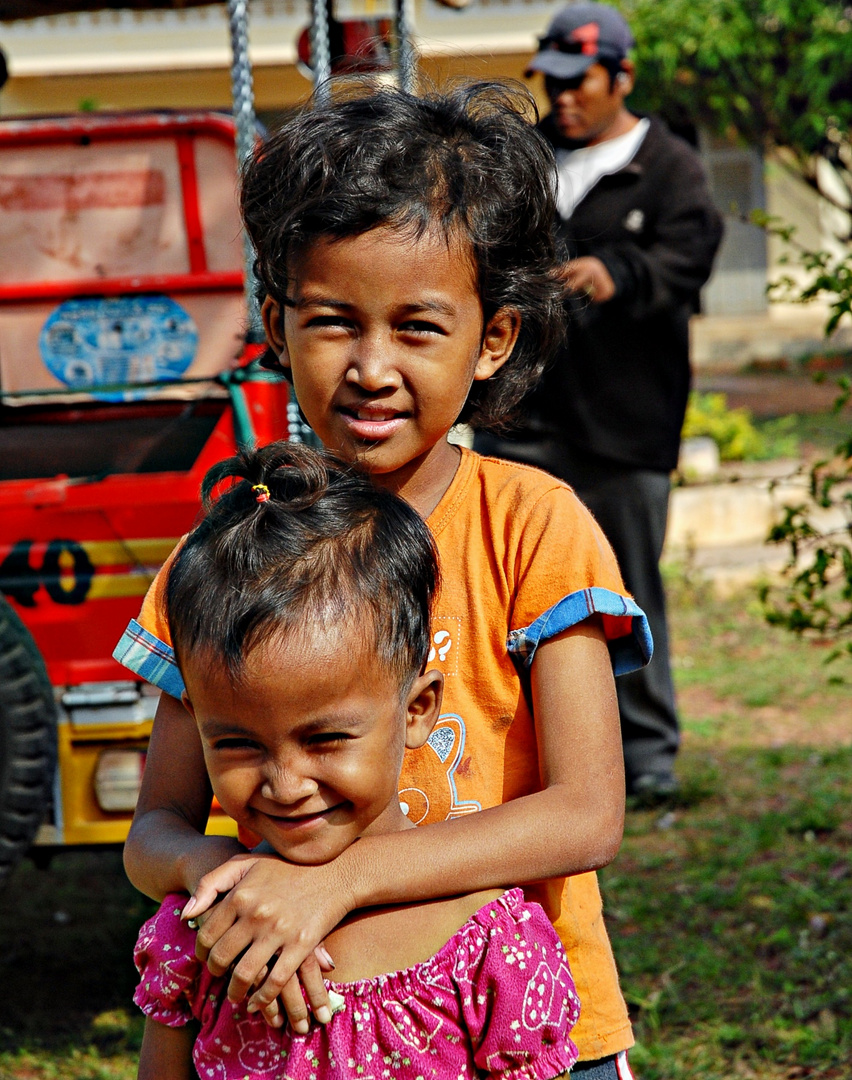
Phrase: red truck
(124, 374)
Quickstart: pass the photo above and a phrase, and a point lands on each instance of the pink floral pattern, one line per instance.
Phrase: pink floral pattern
(498, 998)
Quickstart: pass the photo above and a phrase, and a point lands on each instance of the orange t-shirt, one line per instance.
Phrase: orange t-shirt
(521, 561)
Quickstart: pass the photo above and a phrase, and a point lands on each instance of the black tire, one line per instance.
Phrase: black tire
(27, 740)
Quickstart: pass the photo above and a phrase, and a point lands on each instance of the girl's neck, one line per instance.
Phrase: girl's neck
(424, 481)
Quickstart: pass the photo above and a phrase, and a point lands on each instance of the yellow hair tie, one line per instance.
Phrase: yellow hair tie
(262, 492)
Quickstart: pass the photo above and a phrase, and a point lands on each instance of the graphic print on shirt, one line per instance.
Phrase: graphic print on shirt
(257, 1053)
(446, 639)
(435, 765)
(415, 1023)
(544, 1000)
(634, 221)
(210, 1066)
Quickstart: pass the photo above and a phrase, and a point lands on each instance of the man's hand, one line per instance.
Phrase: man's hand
(587, 276)
(270, 925)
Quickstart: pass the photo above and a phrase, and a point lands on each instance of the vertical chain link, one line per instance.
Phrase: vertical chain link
(242, 93)
(320, 48)
(405, 63)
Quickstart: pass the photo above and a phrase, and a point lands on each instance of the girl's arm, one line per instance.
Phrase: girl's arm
(573, 825)
(166, 1052)
(166, 849)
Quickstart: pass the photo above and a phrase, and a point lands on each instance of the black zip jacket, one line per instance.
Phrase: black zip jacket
(619, 388)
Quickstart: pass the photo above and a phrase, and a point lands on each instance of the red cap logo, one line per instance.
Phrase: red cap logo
(588, 36)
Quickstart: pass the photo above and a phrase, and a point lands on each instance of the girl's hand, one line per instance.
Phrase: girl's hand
(218, 881)
(272, 918)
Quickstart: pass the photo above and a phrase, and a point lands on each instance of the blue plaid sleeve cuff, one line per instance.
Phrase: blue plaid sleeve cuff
(149, 658)
(625, 625)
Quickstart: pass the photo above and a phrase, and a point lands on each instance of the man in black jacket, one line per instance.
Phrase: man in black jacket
(640, 232)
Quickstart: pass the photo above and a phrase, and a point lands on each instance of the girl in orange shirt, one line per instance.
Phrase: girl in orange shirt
(405, 250)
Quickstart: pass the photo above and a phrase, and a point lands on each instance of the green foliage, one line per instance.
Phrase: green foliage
(815, 598)
(773, 72)
(828, 275)
(734, 432)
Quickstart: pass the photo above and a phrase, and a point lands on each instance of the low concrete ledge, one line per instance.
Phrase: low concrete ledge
(720, 529)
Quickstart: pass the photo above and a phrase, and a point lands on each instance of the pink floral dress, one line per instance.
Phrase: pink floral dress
(497, 1000)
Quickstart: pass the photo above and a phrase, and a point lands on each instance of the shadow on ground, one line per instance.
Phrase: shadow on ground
(66, 944)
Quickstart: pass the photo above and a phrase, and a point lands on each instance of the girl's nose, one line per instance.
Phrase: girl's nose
(288, 784)
(372, 367)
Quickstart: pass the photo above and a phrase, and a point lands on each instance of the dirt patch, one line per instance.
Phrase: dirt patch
(765, 726)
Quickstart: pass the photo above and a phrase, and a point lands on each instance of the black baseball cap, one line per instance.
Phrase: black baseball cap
(578, 36)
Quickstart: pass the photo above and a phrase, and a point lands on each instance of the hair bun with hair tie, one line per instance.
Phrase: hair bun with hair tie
(261, 492)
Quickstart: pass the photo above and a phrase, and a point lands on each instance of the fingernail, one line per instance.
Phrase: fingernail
(189, 907)
(251, 1007)
(323, 1014)
(302, 1027)
(326, 955)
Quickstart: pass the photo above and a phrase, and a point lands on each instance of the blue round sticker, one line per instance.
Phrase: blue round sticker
(106, 341)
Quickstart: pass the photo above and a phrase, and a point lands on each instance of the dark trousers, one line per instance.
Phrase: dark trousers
(631, 506)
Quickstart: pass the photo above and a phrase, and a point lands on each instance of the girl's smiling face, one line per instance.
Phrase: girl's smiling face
(306, 750)
(384, 337)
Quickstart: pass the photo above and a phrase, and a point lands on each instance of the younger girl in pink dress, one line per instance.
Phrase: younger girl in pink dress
(299, 609)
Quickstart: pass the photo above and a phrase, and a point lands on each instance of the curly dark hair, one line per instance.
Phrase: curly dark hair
(322, 546)
(467, 160)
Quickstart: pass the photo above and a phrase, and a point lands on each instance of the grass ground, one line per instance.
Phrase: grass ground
(729, 914)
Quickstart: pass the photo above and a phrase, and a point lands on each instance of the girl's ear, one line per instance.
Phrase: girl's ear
(273, 324)
(423, 708)
(498, 340)
(187, 704)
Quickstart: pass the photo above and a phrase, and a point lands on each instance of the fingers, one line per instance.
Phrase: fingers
(579, 277)
(275, 1016)
(588, 276)
(218, 881)
(324, 958)
(315, 990)
(294, 1005)
(302, 996)
(248, 973)
(305, 995)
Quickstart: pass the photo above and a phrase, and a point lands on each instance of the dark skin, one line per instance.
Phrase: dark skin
(590, 109)
(391, 356)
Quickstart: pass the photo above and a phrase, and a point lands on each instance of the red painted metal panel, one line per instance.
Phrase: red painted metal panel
(173, 284)
(191, 209)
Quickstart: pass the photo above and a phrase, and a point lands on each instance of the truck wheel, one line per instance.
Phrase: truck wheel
(27, 739)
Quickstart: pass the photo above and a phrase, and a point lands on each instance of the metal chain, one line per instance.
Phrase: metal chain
(405, 60)
(320, 49)
(242, 93)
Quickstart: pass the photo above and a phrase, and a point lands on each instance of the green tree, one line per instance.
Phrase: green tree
(776, 74)
(770, 73)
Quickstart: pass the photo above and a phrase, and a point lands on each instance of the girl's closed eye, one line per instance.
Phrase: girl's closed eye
(234, 742)
(329, 738)
(421, 326)
(332, 320)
